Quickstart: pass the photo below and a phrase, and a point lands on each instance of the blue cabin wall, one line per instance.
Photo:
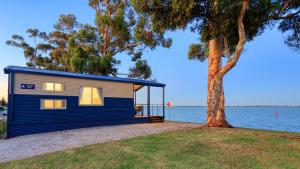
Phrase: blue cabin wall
(28, 118)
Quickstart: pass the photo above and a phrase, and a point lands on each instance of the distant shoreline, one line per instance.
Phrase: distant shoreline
(239, 106)
(225, 106)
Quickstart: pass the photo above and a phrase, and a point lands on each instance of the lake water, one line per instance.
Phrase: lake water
(269, 118)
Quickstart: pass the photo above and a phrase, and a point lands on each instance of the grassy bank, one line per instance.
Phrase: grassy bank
(198, 148)
(2, 128)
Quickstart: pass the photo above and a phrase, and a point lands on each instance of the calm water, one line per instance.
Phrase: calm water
(269, 118)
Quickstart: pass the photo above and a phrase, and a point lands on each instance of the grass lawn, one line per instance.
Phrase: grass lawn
(2, 128)
(197, 148)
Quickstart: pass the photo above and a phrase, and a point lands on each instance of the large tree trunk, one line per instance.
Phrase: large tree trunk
(215, 98)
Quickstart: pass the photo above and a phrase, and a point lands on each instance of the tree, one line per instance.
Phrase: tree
(48, 50)
(121, 30)
(224, 26)
(140, 70)
(85, 48)
(3, 102)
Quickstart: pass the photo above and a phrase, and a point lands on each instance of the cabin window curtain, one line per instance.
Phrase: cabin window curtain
(91, 96)
(59, 87)
(53, 104)
(48, 104)
(50, 86)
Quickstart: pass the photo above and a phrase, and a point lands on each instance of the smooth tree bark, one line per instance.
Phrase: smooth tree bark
(217, 47)
(215, 97)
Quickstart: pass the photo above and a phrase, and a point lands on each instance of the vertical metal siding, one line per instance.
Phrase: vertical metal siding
(29, 118)
(26, 117)
(10, 111)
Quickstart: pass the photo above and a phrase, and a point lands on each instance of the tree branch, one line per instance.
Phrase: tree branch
(106, 36)
(226, 50)
(242, 39)
(284, 6)
(126, 47)
(281, 10)
(291, 15)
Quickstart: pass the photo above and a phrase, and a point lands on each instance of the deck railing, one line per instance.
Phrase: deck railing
(155, 110)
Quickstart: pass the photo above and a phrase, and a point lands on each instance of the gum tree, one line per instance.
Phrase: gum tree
(120, 30)
(224, 26)
(48, 50)
(92, 48)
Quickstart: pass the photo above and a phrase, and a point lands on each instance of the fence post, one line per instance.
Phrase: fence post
(148, 101)
(164, 102)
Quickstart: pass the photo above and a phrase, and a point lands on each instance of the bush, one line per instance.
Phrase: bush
(2, 127)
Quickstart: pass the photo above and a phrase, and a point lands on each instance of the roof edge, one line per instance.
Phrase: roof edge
(7, 69)
(28, 70)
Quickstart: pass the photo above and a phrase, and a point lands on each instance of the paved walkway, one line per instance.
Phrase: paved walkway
(37, 144)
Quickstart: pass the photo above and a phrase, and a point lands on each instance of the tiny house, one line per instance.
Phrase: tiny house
(47, 100)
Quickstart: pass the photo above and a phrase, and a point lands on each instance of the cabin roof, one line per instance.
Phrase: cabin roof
(28, 70)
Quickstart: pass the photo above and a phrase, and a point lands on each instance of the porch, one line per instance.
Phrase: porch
(155, 113)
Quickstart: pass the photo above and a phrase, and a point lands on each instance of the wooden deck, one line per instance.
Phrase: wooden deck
(153, 119)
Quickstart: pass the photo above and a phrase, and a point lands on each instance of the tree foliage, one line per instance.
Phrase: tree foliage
(211, 20)
(141, 70)
(3, 102)
(86, 48)
(224, 26)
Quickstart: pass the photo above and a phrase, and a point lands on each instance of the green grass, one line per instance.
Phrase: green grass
(2, 128)
(197, 148)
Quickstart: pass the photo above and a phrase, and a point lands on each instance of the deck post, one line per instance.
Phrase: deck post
(163, 102)
(148, 101)
(134, 99)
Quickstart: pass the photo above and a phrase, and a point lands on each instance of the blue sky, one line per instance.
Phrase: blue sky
(267, 73)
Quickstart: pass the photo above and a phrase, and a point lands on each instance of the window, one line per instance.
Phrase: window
(53, 104)
(90, 96)
(56, 87)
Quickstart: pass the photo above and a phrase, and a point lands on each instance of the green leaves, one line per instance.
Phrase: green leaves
(141, 70)
(197, 52)
(211, 19)
(85, 48)
(291, 27)
(66, 23)
(78, 60)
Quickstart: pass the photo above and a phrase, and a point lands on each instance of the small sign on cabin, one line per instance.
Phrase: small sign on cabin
(28, 86)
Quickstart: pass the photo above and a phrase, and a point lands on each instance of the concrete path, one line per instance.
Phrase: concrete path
(37, 144)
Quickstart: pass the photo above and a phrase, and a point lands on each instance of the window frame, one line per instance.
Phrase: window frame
(101, 96)
(63, 84)
(54, 108)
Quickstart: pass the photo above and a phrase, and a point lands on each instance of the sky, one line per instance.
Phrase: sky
(266, 74)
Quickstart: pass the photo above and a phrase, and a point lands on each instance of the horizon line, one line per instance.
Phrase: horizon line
(154, 104)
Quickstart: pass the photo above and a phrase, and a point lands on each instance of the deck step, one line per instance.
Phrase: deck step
(156, 119)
